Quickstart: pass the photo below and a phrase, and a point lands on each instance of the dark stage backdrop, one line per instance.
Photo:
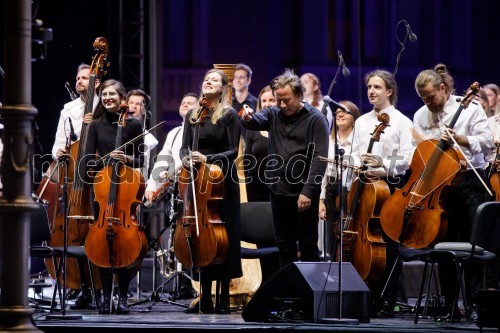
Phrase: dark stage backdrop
(270, 36)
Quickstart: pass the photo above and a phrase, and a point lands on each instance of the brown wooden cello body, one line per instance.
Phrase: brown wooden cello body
(115, 239)
(200, 237)
(495, 175)
(415, 215)
(362, 240)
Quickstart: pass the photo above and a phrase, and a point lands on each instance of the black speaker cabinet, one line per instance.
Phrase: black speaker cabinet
(309, 291)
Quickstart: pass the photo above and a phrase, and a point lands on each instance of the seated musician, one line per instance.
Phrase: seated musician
(436, 87)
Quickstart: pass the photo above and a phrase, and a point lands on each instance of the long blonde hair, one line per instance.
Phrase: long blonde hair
(221, 105)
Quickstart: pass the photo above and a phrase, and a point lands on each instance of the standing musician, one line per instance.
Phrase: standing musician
(328, 210)
(168, 161)
(138, 102)
(74, 110)
(218, 143)
(298, 135)
(471, 132)
(101, 139)
(388, 160)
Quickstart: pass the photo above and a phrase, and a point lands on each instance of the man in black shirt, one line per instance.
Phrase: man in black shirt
(298, 134)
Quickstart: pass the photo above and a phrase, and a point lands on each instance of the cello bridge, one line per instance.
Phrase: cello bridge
(113, 219)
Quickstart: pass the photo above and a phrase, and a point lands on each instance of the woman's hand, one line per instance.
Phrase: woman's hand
(303, 203)
(119, 156)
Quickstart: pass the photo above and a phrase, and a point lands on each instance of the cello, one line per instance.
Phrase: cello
(414, 216)
(200, 237)
(115, 239)
(365, 248)
(495, 175)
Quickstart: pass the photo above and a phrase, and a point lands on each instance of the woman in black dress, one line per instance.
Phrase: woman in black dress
(101, 138)
(218, 144)
(256, 150)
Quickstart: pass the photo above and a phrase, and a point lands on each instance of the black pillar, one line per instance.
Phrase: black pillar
(16, 203)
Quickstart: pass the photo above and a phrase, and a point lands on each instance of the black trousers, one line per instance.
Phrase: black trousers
(292, 227)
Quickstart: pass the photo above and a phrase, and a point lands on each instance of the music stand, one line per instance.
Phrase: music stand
(63, 163)
(341, 193)
(155, 295)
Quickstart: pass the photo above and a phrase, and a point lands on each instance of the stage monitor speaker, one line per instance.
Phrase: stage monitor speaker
(309, 291)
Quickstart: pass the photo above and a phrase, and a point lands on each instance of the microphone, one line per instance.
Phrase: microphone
(330, 101)
(411, 36)
(72, 134)
(345, 71)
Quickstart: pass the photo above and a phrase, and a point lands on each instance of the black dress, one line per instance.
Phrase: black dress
(256, 149)
(219, 142)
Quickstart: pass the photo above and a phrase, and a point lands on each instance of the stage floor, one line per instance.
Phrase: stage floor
(170, 318)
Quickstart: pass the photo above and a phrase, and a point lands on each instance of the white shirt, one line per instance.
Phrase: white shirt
(73, 110)
(395, 146)
(171, 150)
(150, 142)
(472, 122)
(331, 168)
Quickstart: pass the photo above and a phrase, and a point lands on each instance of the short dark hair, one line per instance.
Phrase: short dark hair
(139, 92)
(245, 68)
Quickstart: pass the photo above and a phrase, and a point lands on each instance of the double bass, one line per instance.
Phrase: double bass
(414, 216)
(364, 246)
(79, 208)
(200, 237)
(115, 239)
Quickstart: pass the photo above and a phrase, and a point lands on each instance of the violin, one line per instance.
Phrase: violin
(414, 215)
(364, 246)
(200, 237)
(115, 239)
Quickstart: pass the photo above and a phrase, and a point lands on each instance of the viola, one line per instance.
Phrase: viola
(79, 206)
(200, 237)
(363, 242)
(414, 215)
(115, 239)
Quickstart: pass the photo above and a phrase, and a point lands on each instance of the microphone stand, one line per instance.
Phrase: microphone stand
(64, 204)
(339, 153)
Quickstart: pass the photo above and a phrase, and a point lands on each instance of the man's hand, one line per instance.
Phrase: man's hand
(322, 210)
(371, 160)
(149, 195)
(119, 155)
(303, 203)
(247, 113)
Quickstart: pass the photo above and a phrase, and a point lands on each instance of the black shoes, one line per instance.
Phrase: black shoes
(385, 311)
(122, 307)
(223, 308)
(83, 302)
(105, 307)
(207, 307)
(451, 317)
(473, 314)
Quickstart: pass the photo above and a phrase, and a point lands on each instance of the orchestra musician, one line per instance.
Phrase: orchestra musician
(75, 111)
(436, 89)
(219, 137)
(298, 135)
(389, 161)
(101, 138)
(328, 210)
